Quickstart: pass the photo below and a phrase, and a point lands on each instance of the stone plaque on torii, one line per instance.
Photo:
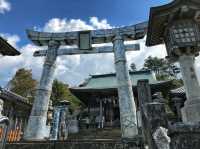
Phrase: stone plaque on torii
(36, 129)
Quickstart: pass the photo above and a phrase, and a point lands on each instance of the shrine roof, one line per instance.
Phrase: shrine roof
(7, 49)
(7, 95)
(108, 81)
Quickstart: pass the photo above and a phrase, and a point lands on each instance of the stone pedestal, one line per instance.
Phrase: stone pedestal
(36, 129)
(155, 117)
(126, 100)
(191, 110)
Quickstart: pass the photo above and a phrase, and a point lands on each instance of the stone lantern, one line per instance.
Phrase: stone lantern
(177, 24)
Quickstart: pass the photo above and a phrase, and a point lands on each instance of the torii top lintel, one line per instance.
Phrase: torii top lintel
(133, 32)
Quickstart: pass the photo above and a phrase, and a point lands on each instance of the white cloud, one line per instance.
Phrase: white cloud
(12, 39)
(69, 68)
(64, 25)
(72, 69)
(99, 24)
(4, 6)
(10, 65)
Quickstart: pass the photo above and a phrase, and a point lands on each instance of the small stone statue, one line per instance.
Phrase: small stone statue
(161, 138)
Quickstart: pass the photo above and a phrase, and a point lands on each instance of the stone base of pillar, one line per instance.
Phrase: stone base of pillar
(31, 133)
(191, 113)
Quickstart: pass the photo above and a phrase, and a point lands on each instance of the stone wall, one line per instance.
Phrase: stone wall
(74, 144)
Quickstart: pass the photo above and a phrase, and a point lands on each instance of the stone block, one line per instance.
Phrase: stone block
(191, 113)
(184, 136)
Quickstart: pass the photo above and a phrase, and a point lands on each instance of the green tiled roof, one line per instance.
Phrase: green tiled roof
(109, 80)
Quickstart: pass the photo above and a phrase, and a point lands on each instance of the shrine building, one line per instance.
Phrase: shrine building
(99, 93)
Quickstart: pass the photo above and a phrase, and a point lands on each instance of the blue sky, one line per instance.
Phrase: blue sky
(69, 15)
(29, 13)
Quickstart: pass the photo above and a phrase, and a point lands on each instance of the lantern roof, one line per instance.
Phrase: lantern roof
(161, 16)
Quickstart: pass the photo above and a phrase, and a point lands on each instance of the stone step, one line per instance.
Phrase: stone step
(75, 144)
(97, 134)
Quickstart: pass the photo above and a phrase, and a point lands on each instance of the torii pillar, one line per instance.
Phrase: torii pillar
(36, 129)
(128, 118)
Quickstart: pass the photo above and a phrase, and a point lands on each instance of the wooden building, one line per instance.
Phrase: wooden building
(17, 109)
(99, 93)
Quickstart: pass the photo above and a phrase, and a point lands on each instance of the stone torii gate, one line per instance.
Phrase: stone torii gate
(36, 129)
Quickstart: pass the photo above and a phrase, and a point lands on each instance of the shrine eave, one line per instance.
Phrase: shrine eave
(88, 93)
(7, 49)
(14, 98)
(160, 16)
(85, 89)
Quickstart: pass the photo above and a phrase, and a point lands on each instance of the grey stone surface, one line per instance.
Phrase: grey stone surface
(191, 110)
(75, 144)
(155, 116)
(133, 32)
(128, 116)
(73, 126)
(144, 97)
(184, 136)
(95, 50)
(36, 129)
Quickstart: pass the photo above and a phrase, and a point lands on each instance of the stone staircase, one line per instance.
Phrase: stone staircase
(106, 133)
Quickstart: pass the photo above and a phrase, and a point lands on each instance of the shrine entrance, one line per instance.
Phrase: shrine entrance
(37, 129)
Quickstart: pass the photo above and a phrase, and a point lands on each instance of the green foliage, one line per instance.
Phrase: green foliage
(60, 92)
(162, 68)
(176, 83)
(155, 64)
(23, 84)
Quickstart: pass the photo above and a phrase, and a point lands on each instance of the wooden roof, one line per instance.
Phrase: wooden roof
(161, 16)
(7, 95)
(7, 49)
(105, 85)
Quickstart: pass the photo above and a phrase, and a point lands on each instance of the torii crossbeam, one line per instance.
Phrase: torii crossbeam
(36, 129)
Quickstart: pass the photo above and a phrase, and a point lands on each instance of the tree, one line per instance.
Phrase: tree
(159, 66)
(133, 67)
(60, 91)
(155, 64)
(23, 84)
